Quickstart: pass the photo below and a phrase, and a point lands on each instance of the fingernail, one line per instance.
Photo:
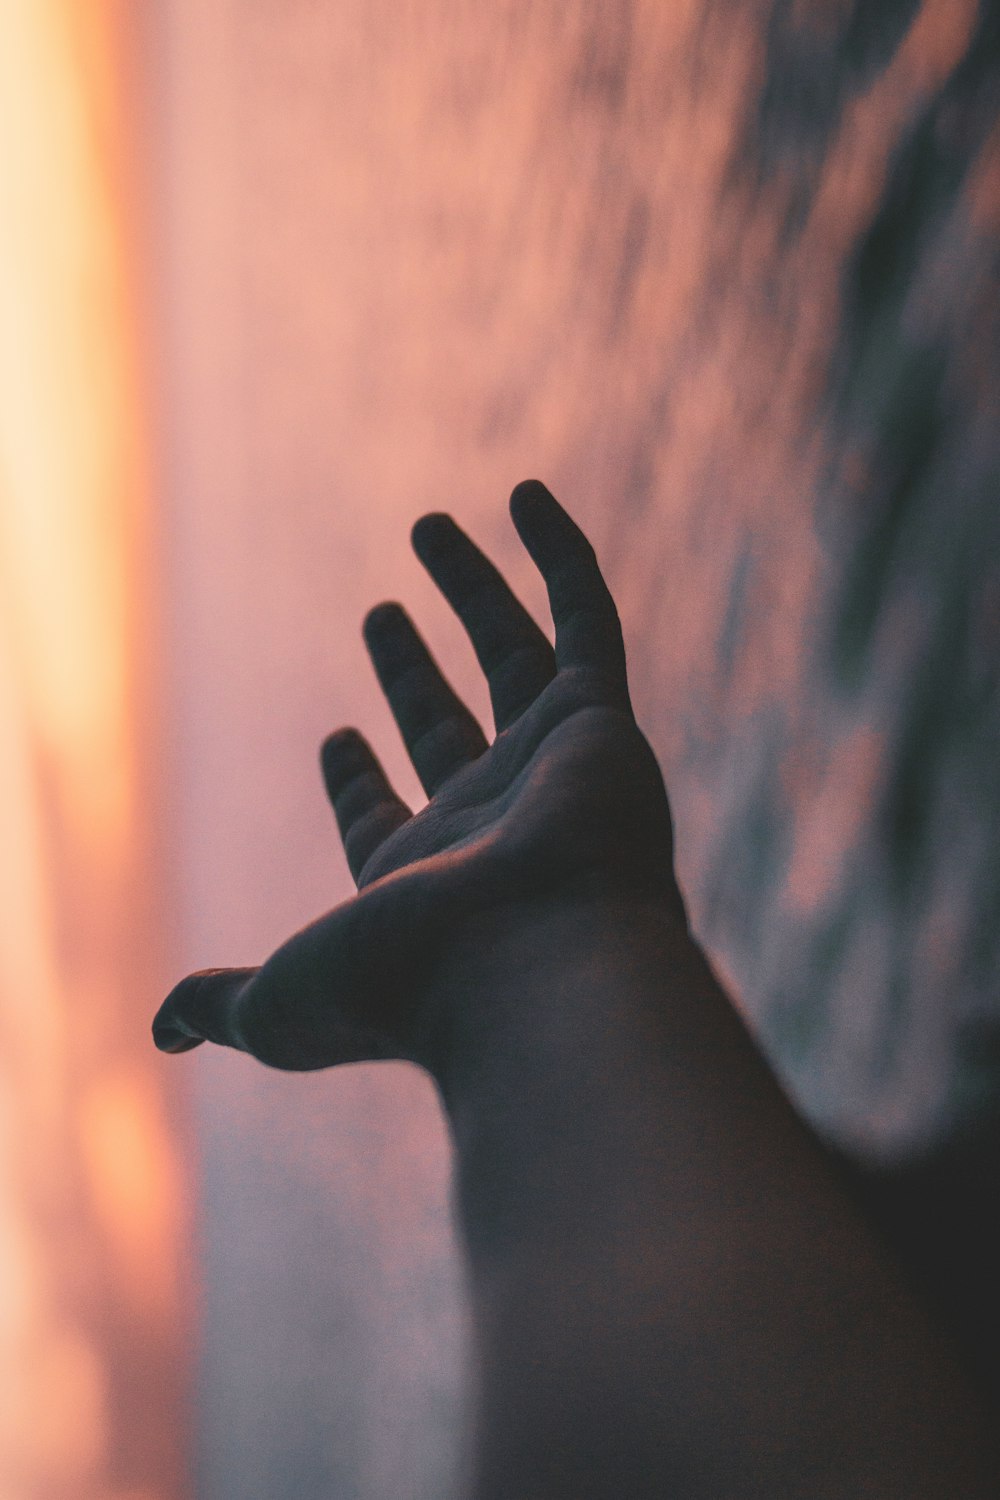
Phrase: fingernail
(169, 1039)
(169, 1033)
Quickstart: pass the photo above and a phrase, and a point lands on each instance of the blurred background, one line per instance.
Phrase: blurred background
(274, 280)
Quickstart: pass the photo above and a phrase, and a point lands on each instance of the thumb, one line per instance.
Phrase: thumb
(334, 993)
(202, 1008)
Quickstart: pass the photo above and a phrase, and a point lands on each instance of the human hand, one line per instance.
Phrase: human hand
(567, 799)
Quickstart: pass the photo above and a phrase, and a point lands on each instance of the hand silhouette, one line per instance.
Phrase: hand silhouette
(567, 799)
(670, 1290)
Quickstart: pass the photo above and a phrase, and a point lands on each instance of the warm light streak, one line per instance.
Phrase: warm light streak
(90, 1210)
(61, 400)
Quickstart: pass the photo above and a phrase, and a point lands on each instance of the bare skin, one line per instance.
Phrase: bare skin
(672, 1294)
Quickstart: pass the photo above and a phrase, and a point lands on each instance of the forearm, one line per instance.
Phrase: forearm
(671, 1292)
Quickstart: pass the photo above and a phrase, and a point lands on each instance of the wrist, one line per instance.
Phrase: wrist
(559, 1027)
(536, 984)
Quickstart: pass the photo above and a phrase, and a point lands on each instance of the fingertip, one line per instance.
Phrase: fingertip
(167, 1039)
(338, 742)
(529, 488)
(538, 517)
(528, 493)
(337, 750)
(170, 1034)
(431, 531)
(543, 525)
(382, 617)
(343, 756)
(202, 1008)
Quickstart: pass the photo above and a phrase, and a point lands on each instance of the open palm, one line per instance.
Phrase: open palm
(567, 797)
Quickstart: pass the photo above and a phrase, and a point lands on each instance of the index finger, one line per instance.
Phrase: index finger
(588, 630)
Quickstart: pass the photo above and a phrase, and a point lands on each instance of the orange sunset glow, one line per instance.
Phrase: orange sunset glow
(91, 1199)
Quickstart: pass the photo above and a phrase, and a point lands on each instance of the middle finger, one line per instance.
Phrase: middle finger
(511, 648)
